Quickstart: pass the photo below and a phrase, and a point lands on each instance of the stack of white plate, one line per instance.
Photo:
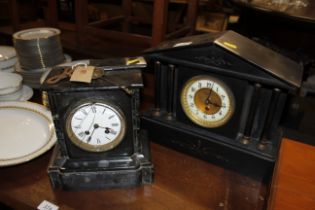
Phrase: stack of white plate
(11, 88)
(32, 77)
(8, 59)
(38, 50)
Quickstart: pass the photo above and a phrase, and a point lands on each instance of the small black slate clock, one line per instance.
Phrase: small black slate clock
(100, 144)
(220, 97)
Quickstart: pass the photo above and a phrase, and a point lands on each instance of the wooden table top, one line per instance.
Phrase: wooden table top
(293, 185)
(181, 182)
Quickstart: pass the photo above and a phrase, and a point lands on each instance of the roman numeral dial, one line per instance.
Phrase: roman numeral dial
(207, 101)
(96, 126)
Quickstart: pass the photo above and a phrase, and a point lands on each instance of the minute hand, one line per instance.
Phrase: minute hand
(207, 101)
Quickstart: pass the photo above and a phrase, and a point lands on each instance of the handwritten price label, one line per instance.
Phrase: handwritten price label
(46, 205)
(82, 74)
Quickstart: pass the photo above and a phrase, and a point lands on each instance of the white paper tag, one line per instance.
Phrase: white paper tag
(46, 205)
(82, 74)
(181, 44)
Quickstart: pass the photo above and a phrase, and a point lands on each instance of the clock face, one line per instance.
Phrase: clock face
(207, 101)
(96, 127)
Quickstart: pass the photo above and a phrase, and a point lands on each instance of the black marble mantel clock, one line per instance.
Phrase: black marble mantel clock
(100, 144)
(220, 96)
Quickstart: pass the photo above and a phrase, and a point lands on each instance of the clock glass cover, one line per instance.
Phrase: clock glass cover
(96, 127)
(207, 101)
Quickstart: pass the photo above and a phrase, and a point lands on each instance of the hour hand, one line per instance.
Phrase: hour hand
(107, 130)
(110, 130)
(215, 104)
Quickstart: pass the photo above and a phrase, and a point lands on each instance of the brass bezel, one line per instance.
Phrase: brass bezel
(96, 148)
(192, 116)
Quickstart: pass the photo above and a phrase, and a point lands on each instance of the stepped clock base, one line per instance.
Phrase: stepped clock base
(109, 175)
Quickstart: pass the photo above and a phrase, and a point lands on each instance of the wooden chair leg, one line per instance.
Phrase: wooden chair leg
(127, 7)
(192, 14)
(160, 10)
(15, 18)
(52, 16)
(81, 17)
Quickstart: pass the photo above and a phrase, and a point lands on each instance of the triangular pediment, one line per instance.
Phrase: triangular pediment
(233, 54)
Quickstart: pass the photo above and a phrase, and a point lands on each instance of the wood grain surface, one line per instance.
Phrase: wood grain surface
(293, 185)
(181, 182)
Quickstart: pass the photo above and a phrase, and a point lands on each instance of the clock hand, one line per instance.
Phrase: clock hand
(208, 106)
(92, 122)
(85, 117)
(207, 101)
(87, 132)
(95, 126)
(215, 104)
(107, 130)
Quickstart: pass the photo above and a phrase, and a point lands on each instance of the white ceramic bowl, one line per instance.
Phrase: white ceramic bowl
(23, 94)
(9, 82)
(10, 69)
(12, 96)
(8, 57)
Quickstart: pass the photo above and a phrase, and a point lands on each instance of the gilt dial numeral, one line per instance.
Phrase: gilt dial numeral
(207, 101)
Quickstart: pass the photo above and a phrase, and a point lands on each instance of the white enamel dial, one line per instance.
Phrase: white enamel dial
(96, 126)
(207, 101)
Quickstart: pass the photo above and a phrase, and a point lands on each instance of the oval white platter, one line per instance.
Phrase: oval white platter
(26, 132)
